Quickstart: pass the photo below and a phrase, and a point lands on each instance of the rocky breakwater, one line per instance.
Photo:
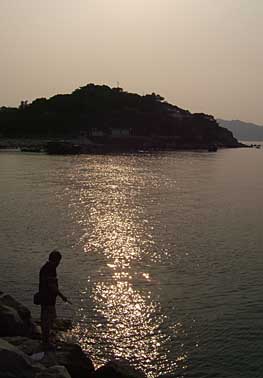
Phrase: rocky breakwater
(21, 353)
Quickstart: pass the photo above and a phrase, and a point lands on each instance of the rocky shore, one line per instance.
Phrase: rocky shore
(106, 145)
(22, 356)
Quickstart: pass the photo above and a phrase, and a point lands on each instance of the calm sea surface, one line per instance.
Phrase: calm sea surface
(162, 254)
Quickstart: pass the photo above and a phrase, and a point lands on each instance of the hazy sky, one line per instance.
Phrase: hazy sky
(202, 55)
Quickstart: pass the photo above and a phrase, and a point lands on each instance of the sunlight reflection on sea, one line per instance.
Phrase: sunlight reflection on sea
(128, 320)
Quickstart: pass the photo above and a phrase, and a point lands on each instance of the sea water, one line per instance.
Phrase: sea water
(162, 254)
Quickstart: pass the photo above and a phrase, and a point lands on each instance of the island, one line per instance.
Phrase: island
(98, 118)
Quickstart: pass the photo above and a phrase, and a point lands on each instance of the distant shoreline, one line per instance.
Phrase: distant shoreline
(113, 145)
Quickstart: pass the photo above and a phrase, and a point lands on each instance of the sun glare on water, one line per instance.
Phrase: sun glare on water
(128, 321)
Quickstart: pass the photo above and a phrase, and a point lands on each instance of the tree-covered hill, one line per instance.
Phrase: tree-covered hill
(98, 110)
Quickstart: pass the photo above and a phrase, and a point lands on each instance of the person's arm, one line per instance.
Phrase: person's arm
(62, 296)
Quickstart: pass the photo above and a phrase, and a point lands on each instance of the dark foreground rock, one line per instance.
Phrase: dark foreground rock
(68, 355)
(14, 363)
(54, 372)
(73, 358)
(117, 369)
(25, 344)
(15, 319)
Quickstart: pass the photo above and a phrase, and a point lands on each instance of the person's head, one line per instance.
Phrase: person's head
(55, 257)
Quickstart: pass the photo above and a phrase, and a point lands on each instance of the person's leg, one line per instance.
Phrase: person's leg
(45, 325)
(52, 319)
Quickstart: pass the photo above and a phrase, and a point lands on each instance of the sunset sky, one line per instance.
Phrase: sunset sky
(202, 55)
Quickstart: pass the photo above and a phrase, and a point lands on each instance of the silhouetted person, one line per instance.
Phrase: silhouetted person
(48, 290)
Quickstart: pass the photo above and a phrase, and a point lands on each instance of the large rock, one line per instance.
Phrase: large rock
(69, 355)
(23, 311)
(15, 319)
(54, 372)
(25, 344)
(118, 369)
(10, 322)
(73, 358)
(14, 363)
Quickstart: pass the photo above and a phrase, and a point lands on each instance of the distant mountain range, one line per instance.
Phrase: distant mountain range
(243, 131)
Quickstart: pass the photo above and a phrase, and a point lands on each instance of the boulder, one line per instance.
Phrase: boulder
(69, 355)
(15, 319)
(118, 369)
(25, 344)
(72, 357)
(10, 322)
(23, 311)
(54, 372)
(14, 363)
